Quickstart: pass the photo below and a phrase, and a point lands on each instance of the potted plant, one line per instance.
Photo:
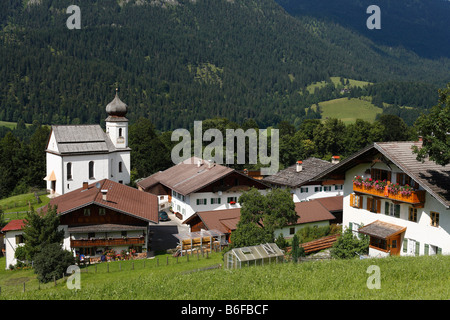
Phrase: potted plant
(394, 188)
(367, 183)
(406, 190)
(379, 185)
(357, 180)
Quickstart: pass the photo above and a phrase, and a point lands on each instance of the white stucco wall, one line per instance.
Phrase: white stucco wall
(285, 231)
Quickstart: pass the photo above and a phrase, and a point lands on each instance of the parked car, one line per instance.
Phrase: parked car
(163, 216)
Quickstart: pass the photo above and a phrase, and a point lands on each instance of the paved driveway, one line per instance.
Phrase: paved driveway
(162, 238)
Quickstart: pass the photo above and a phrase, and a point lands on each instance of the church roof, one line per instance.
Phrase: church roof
(82, 139)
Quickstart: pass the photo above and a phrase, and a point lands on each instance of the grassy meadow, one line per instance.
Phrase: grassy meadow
(336, 81)
(348, 110)
(21, 203)
(402, 278)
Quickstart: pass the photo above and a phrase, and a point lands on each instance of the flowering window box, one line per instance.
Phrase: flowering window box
(392, 192)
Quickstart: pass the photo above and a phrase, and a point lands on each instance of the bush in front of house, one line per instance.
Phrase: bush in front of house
(51, 262)
(349, 245)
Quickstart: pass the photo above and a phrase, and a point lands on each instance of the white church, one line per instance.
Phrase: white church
(85, 153)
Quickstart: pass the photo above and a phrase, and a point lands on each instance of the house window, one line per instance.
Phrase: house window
(317, 189)
(303, 190)
(232, 199)
(124, 234)
(391, 209)
(378, 174)
(374, 205)
(327, 188)
(201, 201)
(120, 166)
(215, 200)
(292, 230)
(69, 171)
(91, 235)
(91, 170)
(19, 239)
(412, 216)
(434, 219)
(378, 243)
(101, 211)
(87, 212)
(338, 187)
(356, 201)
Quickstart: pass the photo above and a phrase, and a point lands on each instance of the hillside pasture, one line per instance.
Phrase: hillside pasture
(348, 110)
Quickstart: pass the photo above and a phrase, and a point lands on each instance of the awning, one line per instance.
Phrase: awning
(51, 176)
(381, 229)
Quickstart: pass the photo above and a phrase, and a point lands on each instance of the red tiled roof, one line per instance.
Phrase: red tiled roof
(224, 220)
(14, 225)
(332, 203)
(312, 211)
(119, 198)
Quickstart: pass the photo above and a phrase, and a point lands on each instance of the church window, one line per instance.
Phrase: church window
(69, 171)
(91, 170)
(120, 132)
(120, 166)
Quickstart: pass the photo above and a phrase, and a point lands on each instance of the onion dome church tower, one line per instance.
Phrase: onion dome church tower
(117, 123)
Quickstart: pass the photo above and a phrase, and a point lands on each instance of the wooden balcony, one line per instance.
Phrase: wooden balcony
(416, 197)
(107, 242)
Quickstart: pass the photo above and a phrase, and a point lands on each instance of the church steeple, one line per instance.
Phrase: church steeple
(116, 108)
(116, 123)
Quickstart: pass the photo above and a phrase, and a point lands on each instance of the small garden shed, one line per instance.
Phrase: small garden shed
(255, 255)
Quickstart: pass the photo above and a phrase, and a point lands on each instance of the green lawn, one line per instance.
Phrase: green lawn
(425, 277)
(349, 110)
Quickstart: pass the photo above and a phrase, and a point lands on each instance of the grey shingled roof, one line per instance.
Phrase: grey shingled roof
(381, 229)
(186, 177)
(82, 139)
(311, 167)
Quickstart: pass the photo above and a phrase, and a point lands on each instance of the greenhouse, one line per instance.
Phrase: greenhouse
(255, 255)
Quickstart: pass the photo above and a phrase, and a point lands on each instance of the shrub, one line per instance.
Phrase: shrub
(52, 261)
(348, 245)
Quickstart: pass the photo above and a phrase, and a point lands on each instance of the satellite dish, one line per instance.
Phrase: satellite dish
(97, 185)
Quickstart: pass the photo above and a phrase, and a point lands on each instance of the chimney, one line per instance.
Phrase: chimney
(335, 159)
(85, 185)
(299, 166)
(420, 138)
(210, 164)
(104, 192)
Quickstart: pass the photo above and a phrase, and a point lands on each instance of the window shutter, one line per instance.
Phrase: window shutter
(218, 199)
(427, 250)
(439, 250)
(350, 225)
(405, 245)
(352, 199)
(378, 206)
(386, 208)
(198, 201)
(369, 203)
(389, 176)
(360, 203)
(417, 248)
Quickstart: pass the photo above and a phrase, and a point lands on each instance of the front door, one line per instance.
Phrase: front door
(395, 245)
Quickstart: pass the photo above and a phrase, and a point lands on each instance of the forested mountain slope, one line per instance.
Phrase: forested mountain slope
(182, 60)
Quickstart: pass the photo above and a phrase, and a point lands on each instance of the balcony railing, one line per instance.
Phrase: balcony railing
(416, 197)
(106, 242)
